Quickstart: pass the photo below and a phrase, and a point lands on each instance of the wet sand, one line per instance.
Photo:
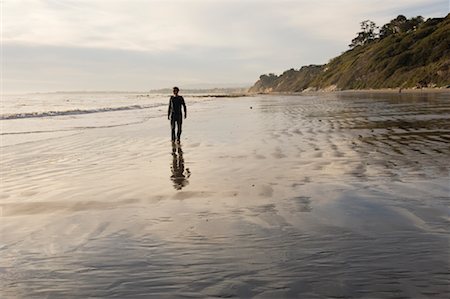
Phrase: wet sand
(320, 196)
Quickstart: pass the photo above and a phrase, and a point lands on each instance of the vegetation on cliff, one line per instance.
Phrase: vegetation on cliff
(404, 53)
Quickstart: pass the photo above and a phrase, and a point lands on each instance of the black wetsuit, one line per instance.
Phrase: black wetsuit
(175, 115)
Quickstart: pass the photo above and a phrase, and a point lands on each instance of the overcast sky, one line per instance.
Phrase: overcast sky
(54, 45)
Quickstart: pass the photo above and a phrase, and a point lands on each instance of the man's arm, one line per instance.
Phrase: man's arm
(184, 107)
(170, 108)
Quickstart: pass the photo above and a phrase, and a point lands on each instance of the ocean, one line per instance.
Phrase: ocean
(34, 116)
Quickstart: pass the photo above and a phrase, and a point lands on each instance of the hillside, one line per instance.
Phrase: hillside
(418, 57)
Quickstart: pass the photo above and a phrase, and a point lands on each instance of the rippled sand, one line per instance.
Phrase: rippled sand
(324, 196)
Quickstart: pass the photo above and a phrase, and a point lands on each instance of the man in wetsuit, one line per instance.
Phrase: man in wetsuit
(175, 115)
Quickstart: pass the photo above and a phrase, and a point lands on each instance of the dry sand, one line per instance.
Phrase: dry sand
(269, 197)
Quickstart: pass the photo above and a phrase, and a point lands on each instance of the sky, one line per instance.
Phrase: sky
(131, 45)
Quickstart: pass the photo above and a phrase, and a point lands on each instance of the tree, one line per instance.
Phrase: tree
(415, 22)
(400, 25)
(268, 79)
(368, 34)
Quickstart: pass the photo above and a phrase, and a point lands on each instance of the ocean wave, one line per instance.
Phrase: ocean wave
(74, 112)
(77, 128)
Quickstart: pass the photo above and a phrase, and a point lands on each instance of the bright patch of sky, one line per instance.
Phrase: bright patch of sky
(51, 45)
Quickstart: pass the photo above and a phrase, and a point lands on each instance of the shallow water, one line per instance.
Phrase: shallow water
(323, 196)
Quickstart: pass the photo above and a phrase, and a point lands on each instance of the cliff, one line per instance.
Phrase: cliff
(418, 57)
(291, 80)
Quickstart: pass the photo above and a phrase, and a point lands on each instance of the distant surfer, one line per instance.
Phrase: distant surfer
(175, 114)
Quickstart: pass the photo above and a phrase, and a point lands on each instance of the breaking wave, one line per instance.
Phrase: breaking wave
(74, 112)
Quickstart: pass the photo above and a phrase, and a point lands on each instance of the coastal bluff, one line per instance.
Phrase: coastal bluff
(397, 56)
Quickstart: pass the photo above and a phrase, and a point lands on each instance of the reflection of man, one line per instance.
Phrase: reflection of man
(174, 114)
(178, 177)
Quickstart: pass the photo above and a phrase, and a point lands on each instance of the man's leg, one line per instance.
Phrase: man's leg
(172, 126)
(179, 125)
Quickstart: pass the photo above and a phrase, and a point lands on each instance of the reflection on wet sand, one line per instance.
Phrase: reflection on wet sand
(179, 175)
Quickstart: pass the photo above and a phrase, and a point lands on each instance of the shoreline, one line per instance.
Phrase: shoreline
(381, 90)
(398, 90)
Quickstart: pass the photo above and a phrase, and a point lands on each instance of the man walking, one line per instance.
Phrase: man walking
(175, 114)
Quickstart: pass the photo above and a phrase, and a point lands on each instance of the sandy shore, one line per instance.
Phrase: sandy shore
(426, 91)
(266, 197)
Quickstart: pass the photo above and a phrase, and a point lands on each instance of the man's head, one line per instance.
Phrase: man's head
(176, 90)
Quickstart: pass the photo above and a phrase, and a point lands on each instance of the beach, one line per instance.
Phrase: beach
(333, 195)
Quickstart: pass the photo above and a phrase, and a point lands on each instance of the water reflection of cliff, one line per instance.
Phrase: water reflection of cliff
(179, 175)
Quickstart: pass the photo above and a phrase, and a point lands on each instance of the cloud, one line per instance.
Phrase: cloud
(339, 20)
(167, 25)
(96, 24)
